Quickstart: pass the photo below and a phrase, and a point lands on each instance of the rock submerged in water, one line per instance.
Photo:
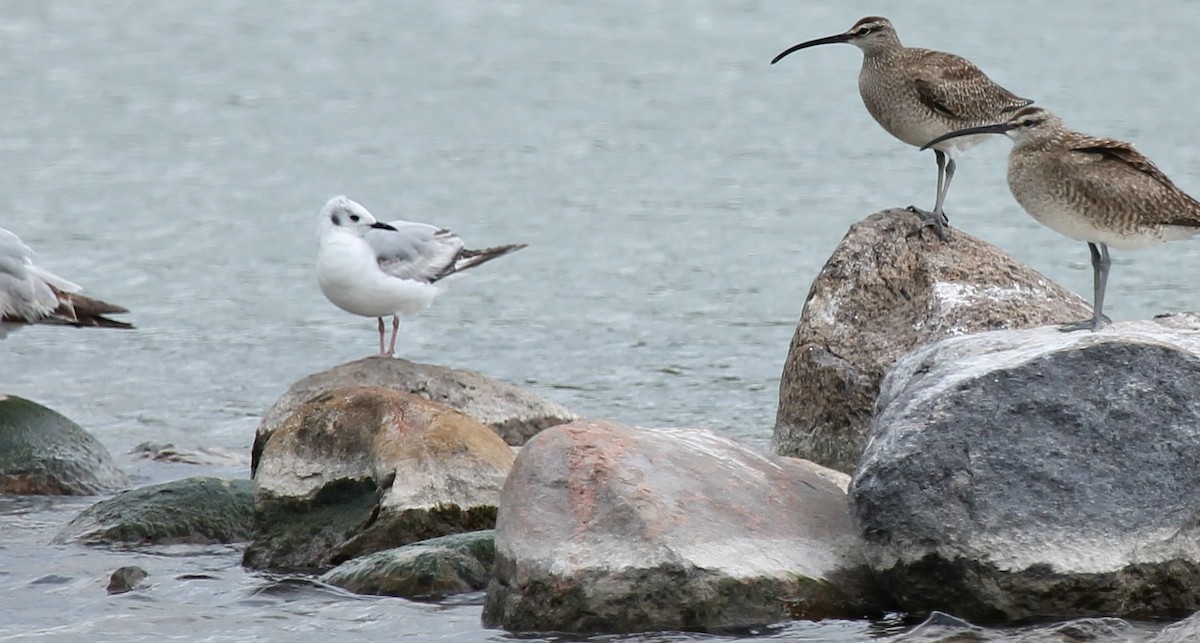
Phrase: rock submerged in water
(607, 528)
(1030, 475)
(447, 565)
(126, 579)
(515, 414)
(199, 510)
(358, 470)
(881, 294)
(44, 453)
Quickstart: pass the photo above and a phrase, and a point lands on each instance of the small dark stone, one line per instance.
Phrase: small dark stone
(126, 579)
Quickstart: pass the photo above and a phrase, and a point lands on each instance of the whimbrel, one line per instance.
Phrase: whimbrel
(378, 269)
(30, 294)
(919, 94)
(1098, 190)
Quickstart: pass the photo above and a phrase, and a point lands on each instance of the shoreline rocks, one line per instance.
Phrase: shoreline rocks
(514, 413)
(608, 528)
(358, 470)
(881, 294)
(44, 453)
(1022, 475)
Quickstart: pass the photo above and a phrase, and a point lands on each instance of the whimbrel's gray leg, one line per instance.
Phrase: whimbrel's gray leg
(938, 219)
(1100, 265)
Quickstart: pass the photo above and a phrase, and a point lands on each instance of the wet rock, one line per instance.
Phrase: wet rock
(44, 453)
(606, 528)
(197, 510)
(358, 470)
(126, 579)
(1022, 475)
(447, 565)
(514, 413)
(881, 294)
(177, 455)
(1185, 631)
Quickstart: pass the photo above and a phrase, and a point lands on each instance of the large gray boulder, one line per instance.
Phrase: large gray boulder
(882, 293)
(358, 470)
(198, 510)
(514, 413)
(1037, 474)
(607, 528)
(44, 453)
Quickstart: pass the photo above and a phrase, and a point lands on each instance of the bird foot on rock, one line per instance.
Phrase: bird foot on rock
(936, 220)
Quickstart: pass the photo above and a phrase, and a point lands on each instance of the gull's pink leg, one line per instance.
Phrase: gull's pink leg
(381, 353)
(395, 329)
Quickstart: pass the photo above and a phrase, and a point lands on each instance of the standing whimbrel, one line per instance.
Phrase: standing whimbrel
(919, 94)
(1098, 190)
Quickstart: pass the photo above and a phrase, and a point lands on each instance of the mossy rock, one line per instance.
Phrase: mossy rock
(199, 510)
(436, 567)
(44, 453)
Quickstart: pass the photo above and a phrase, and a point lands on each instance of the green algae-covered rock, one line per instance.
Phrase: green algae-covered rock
(446, 565)
(197, 510)
(44, 453)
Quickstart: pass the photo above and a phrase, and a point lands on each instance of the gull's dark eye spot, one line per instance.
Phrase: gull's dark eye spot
(354, 217)
(336, 220)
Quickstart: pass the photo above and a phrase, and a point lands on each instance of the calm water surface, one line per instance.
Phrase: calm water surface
(677, 192)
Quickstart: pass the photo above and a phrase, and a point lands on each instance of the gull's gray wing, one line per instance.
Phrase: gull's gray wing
(416, 251)
(24, 295)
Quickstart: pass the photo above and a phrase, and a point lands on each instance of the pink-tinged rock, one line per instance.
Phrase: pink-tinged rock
(607, 528)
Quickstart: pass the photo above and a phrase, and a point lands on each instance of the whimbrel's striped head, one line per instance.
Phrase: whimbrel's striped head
(870, 34)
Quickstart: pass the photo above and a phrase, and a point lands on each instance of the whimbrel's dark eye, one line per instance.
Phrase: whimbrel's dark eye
(354, 217)
(1029, 122)
(862, 31)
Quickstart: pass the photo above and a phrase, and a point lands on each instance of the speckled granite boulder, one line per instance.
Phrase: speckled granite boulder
(44, 453)
(1035, 474)
(607, 528)
(514, 413)
(881, 294)
(359, 470)
(199, 510)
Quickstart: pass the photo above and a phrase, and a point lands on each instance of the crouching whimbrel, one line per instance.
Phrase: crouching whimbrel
(1098, 190)
(919, 94)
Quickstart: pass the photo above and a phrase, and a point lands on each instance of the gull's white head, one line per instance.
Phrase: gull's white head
(345, 214)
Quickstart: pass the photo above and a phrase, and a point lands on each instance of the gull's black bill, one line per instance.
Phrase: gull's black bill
(382, 226)
(828, 40)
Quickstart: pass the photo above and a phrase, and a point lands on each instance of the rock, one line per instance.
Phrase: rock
(197, 510)
(204, 455)
(44, 453)
(126, 579)
(514, 413)
(606, 528)
(1185, 631)
(1034, 474)
(358, 470)
(881, 294)
(436, 567)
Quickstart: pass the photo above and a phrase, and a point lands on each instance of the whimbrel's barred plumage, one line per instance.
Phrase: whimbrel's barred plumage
(919, 94)
(1098, 190)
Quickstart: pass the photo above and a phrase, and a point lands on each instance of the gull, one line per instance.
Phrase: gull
(30, 294)
(376, 269)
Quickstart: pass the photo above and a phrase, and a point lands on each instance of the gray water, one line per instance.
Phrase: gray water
(678, 195)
